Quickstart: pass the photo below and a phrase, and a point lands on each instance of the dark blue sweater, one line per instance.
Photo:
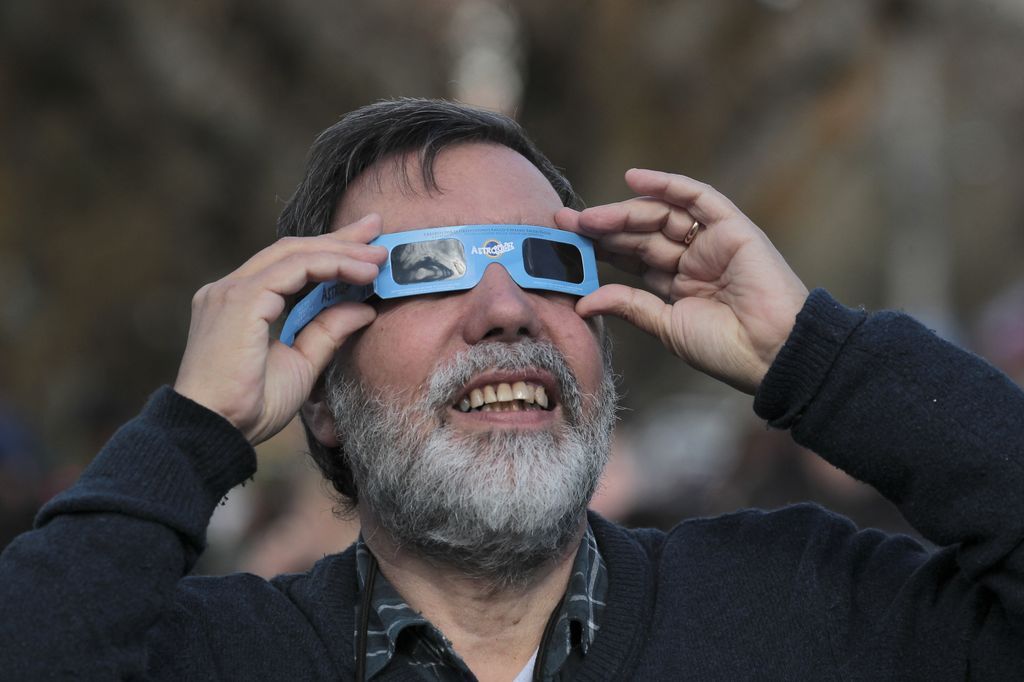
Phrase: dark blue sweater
(98, 591)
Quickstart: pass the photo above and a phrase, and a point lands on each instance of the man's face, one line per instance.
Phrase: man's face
(480, 183)
(505, 484)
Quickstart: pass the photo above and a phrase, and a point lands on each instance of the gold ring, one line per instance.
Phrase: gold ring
(692, 233)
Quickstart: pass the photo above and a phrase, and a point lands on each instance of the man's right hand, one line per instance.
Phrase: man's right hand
(230, 364)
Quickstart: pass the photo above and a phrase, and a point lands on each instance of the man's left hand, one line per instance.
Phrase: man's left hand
(725, 303)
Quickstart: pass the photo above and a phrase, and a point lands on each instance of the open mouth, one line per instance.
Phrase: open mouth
(505, 397)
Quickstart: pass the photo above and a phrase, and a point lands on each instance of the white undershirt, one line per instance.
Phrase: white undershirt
(526, 674)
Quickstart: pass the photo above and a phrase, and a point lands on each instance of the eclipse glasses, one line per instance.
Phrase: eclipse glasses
(440, 259)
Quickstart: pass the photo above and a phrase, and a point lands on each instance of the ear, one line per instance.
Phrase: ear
(318, 418)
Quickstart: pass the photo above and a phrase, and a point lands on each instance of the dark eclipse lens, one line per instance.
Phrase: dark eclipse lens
(552, 260)
(432, 261)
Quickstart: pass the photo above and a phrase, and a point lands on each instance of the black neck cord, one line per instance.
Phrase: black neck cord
(364, 619)
(542, 650)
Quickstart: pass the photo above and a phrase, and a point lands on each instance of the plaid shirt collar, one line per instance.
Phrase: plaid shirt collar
(400, 636)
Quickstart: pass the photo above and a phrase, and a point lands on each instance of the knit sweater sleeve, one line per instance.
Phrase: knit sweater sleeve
(940, 433)
(81, 590)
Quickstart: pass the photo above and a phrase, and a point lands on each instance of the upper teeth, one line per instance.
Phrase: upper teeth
(504, 393)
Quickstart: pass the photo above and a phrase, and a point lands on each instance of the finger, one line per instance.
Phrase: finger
(308, 247)
(621, 257)
(670, 286)
(350, 241)
(363, 230)
(652, 250)
(324, 335)
(568, 219)
(622, 251)
(291, 274)
(636, 306)
(640, 214)
(702, 200)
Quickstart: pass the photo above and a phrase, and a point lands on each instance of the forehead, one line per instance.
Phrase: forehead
(477, 183)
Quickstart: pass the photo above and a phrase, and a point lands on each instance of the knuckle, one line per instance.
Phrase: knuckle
(301, 260)
(290, 243)
(234, 291)
(200, 298)
(665, 218)
(219, 293)
(643, 249)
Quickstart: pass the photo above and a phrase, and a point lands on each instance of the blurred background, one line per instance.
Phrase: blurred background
(148, 147)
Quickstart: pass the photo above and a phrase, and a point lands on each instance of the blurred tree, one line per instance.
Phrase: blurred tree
(147, 148)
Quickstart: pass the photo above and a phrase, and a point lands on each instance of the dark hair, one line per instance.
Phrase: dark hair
(367, 135)
(371, 133)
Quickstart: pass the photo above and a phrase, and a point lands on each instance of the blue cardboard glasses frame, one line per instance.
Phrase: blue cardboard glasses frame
(440, 259)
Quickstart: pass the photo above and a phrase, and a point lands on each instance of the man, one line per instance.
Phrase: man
(470, 427)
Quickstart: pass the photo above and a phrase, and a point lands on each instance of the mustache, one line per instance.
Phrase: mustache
(448, 380)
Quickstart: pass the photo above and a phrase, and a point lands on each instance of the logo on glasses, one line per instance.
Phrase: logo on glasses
(331, 292)
(492, 248)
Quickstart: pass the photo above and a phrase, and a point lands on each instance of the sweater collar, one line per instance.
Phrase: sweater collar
(328, 594)
(394, 624)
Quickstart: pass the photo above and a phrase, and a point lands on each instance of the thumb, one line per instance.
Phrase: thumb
(640, 308)
(325, 334)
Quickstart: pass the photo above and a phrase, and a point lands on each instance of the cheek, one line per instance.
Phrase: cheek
(581, 346)
(396, 351)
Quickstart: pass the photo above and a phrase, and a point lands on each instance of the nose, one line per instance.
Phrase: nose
(498, 310)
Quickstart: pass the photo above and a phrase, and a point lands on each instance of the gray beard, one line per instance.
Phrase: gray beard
(497, 506)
